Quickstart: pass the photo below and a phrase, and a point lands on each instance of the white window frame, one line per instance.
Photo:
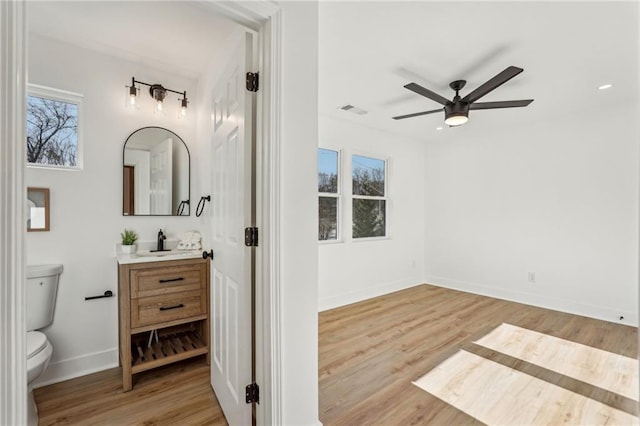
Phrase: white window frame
(385, 198)
(337, 195)
(45, 92)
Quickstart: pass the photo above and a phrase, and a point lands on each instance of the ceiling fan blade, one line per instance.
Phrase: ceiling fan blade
(427, 93)
(416, 114)
(501, 104)
(493, 83)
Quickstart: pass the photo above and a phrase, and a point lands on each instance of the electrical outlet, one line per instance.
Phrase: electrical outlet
(531, 277)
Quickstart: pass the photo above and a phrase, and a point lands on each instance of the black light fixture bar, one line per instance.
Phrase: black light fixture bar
(134, 81)
(157, 92)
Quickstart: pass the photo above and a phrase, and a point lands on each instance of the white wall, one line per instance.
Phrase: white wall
(298, 208)
(352, 270)
(86, 205)
(559, 199)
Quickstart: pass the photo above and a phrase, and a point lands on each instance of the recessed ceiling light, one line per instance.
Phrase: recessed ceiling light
(439, 128)
(605, 86)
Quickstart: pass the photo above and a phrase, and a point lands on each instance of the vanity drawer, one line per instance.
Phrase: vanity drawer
(172, 279)
(167, 307)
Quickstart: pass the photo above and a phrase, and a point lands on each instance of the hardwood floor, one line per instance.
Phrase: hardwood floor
(370, 352)
(178, 394)
(369, 355)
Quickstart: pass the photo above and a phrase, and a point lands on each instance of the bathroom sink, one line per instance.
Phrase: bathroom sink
(147, 253)
(157, 256)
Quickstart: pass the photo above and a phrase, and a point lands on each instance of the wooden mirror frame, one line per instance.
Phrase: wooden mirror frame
(39, 197)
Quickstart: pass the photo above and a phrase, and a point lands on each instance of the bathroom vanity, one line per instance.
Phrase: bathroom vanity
(163, 310)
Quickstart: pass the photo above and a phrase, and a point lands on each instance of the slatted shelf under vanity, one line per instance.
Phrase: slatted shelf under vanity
(172, 346)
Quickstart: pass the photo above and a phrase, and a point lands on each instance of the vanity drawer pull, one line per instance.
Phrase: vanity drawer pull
(166, 308)
(172, 280)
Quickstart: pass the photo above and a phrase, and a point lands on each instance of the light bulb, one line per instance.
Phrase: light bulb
(456, 120)
(183, 107)
(131, 98)
(159, 107)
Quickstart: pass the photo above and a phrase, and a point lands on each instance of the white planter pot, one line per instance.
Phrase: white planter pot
(129, 249)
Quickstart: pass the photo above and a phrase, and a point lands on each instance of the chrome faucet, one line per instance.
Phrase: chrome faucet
(161, 238)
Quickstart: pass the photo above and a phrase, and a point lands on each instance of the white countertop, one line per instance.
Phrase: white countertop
(146, 256)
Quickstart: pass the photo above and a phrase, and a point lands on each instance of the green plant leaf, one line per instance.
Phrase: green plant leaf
(129, 237)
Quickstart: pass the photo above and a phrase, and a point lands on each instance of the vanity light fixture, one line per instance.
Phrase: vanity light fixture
(158, 93)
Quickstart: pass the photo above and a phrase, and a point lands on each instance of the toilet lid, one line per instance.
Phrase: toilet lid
(36, 342)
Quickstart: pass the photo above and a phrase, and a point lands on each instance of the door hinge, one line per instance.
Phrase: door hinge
(251, 236)
(252, 81)
(252, 393)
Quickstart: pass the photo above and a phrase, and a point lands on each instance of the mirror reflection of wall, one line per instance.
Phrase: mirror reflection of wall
(37, 209)
(155, 174)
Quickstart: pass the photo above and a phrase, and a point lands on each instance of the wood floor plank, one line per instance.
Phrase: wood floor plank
(176, 394)
(370, 352)
(497, 395)
(603, 369)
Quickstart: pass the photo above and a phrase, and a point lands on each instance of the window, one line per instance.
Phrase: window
(53, 127)
(369, 197)
(328, 194)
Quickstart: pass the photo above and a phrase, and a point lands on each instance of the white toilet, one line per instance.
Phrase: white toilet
(42, 288)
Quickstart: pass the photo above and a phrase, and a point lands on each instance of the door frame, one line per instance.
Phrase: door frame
(264, 18)
(13, 77)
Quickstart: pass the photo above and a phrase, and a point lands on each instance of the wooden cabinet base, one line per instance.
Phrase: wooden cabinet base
(162, 339)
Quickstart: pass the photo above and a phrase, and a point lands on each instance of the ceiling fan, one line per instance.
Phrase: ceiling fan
(456, 111)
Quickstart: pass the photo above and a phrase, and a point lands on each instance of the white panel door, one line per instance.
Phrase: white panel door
(161, 172)
(231, 273)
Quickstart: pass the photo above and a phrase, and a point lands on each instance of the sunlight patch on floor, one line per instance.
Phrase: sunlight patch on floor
(606, 370)
(498, 395)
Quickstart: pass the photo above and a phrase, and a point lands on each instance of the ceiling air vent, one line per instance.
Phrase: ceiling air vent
(353, 109)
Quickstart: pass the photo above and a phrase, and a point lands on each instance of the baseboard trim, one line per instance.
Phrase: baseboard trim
(364, 294)
(569, 306)
(78, 366)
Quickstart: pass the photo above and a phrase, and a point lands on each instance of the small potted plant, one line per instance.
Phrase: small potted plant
(129, 238)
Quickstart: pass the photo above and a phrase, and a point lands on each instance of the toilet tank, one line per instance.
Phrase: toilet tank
(42, 288)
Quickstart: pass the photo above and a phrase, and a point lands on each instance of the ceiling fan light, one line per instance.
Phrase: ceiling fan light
(456, 114)
(456, 119)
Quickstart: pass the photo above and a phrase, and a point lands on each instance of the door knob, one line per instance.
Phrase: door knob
(206, 254)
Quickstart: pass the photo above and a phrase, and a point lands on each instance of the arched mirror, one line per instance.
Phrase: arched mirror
(155, 174)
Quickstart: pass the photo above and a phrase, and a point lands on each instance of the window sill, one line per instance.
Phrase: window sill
(52, 167)
(367, 239)
(329, 242)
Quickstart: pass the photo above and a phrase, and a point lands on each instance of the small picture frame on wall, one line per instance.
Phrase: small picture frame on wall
(37, 210)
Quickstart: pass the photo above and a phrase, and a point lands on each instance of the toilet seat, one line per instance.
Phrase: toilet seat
(39, 351)
(36, 342)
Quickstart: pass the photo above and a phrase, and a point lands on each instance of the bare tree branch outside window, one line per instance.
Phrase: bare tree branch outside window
(369, 198)
(329, 196)
(52, 132)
